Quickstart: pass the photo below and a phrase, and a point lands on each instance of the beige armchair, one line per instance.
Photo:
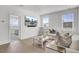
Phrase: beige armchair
(63, 42)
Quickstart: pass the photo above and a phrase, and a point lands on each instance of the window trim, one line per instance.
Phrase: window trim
(72, 22)
(43, 19)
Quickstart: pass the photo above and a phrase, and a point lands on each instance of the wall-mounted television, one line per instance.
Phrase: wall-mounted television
(30, 21)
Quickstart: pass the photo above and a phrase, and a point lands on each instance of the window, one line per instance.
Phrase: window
(68, 20)
(45, 21)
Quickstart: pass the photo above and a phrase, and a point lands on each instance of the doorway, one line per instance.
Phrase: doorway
(14, 28)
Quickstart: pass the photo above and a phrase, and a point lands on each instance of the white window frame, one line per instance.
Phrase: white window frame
(72, 22)
(43, 20)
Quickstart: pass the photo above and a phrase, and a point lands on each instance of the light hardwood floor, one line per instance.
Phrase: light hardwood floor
(20, 46)
(25, 46)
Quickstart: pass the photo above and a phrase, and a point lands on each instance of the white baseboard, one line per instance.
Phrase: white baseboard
(28, 38)
(4, 42)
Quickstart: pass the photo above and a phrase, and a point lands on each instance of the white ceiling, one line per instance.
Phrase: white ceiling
(42, 9)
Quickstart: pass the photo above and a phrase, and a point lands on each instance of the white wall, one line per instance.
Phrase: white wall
(78, 20)
(55, 19)
(3, 25)
(25, 32)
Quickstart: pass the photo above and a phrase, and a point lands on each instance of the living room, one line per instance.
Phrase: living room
(17, 31)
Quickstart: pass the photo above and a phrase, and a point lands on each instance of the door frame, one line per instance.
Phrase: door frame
(9, 25)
